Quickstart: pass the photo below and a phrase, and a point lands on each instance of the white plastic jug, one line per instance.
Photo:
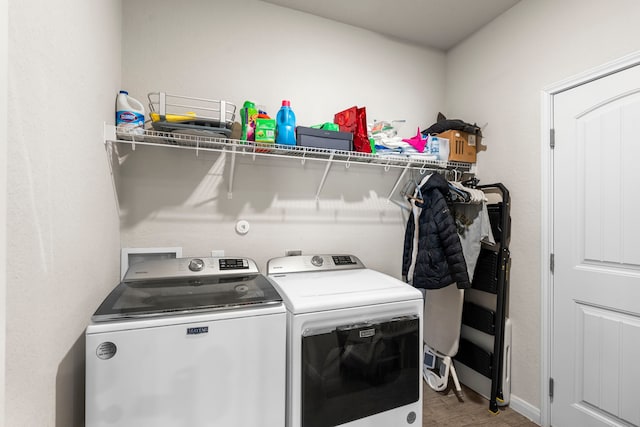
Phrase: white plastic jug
(438, 147)
(129, 114)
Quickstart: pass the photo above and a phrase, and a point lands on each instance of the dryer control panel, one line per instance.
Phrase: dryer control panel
(305, 263)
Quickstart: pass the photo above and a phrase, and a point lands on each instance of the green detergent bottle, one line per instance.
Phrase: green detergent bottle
(248, 115)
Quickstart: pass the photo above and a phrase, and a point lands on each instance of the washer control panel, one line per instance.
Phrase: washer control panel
(196, 264)
(234, 263)
(343, 260)
(189, 267)
(304, 263)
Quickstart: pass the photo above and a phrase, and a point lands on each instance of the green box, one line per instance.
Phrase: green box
(265, 130)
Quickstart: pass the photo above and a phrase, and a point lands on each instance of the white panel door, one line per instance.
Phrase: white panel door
(596, 284)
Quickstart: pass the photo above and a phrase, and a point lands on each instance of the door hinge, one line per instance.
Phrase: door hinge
(551, 388)
(552, 262)
(552, 138)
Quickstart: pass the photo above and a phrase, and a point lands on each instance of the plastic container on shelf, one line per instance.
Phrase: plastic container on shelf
(129, 114)
(438, 147)
(286, 125)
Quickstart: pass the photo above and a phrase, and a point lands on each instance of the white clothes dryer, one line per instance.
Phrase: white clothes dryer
(354, 343)
(188, 343)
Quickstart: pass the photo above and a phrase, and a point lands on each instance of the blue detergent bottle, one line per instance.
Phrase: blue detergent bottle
(286, 125)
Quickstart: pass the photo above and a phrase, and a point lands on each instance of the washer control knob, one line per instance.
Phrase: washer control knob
(317, 261)
(196, 264)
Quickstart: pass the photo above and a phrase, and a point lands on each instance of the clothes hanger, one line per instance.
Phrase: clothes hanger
(418, 193)
(470, 187)
(408, 190)
(411, 190)
(458, 195)
(471, 183)
(455, 173)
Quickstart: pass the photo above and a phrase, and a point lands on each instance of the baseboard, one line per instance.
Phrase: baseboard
(525, 409)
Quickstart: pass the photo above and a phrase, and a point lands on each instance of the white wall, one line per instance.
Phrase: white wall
(496, 77)
(3, 199)
(62, 237)
(248, 49)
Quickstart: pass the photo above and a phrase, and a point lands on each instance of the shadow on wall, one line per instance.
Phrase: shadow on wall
(70, 388)
(193, 187)
(147, 179)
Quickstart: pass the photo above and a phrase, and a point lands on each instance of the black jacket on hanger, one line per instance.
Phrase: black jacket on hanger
(439, 261)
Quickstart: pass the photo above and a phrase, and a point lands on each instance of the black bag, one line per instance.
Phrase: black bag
(443, 124)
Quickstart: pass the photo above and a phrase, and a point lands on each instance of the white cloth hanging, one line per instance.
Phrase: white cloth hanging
(474, 228)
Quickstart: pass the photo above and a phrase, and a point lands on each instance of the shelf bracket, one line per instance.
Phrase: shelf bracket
(324, 176)
(110, 154)
(232, 172)
(109, 133)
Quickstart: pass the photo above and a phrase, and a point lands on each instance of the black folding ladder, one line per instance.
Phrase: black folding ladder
(491, 276)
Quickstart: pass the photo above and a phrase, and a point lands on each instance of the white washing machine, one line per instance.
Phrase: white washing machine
(188, 343)
(354, 343)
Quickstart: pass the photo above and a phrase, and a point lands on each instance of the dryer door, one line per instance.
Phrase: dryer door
(355, 371)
